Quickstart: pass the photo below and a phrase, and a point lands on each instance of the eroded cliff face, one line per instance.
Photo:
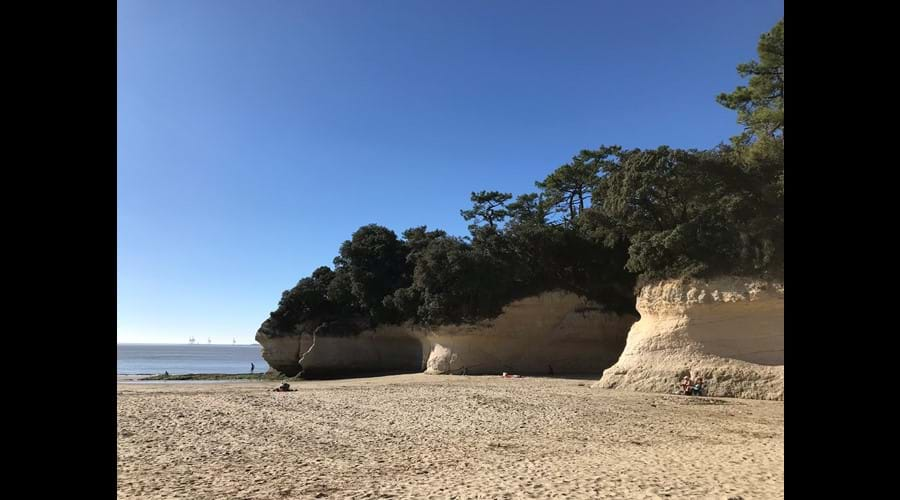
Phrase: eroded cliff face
(555, 332)
(728, 330)
(389, 349)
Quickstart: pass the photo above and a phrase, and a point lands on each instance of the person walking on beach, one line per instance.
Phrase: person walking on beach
(251, 368)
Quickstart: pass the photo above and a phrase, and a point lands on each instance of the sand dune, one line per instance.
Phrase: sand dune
(420, 436)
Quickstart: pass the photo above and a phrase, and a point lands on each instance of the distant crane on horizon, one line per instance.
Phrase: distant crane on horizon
(192, 341)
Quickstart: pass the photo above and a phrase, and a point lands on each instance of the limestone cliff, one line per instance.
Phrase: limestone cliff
(280, 351)
(386, 349)
(728, 330)
(555, 332)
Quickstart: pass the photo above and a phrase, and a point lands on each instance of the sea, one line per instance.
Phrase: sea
(179, 359)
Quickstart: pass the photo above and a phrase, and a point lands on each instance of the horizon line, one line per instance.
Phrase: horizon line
(181, 343)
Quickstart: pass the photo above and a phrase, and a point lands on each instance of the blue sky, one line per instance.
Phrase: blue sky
(254, 137)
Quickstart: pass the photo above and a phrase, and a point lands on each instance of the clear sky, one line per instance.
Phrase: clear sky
(255, 136)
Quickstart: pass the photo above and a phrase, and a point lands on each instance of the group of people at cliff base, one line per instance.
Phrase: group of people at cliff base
(692, 387)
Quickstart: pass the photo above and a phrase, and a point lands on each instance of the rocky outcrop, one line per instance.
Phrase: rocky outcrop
(281, 352)
(555, 332)
(729, 330)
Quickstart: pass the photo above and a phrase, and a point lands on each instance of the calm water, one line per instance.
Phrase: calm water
(133, 359)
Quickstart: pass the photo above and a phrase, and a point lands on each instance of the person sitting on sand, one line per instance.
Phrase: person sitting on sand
(686, 386)
(284, 387)
(698, 387)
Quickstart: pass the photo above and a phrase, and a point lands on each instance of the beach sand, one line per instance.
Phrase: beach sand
(425, 436)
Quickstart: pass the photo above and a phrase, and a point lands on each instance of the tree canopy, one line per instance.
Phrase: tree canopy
(488, 207)
(760, 105)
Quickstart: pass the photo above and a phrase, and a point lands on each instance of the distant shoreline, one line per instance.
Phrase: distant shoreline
(150, 377)
(185, 343)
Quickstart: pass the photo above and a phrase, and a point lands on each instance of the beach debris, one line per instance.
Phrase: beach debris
(284, 387)
(507, 375)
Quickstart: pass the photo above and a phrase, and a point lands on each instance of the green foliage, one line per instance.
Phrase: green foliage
(760, 105)
(557, 257)
(306, 300)
(528, 209)
(417, 238)
(445, 280)
(375, 261)
(690, 213)
(568, 189)
(759, 150)
(488, 207)
(340, 294)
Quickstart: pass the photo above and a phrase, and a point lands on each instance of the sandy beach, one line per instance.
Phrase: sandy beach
(441, 437)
